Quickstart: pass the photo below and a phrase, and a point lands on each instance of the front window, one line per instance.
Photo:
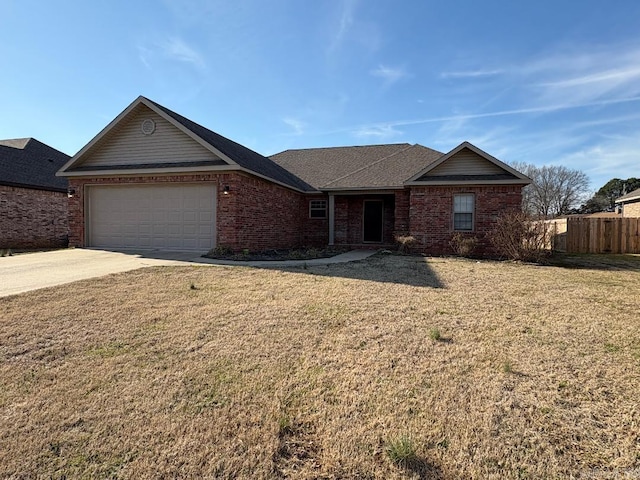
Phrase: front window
(463, 208)
(318, 209)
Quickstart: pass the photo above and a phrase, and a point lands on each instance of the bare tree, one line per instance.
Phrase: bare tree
(555, 190)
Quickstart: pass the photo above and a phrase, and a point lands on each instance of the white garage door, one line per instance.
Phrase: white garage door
(165, 217)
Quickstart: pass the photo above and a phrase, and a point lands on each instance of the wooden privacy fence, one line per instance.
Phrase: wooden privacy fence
(595, 235)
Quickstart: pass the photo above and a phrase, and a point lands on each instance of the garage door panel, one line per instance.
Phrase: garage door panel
(175, 216)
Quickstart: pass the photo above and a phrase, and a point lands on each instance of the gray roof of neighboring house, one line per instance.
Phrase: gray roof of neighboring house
(360, 167)
(635, 195)
(26, 162)
(240, 154)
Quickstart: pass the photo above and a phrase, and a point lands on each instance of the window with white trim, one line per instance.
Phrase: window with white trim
(463, 209)
(317, 209)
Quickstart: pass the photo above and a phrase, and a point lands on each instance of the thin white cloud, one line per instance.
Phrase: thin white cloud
(569, 77)
(345, 23)
(173, 49)
(600, 74)
(471, 73)
(498, 113)
(298, 126)
(609, 158)
(177, 49)
(378, 131)
(615, 76)
(144, 55)
(565, 137)
(389, 74)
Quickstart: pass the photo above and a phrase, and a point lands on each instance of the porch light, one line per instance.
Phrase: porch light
(71, 191)
(226, 190)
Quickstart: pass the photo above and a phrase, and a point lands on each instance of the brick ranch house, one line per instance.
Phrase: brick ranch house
(155, 179)
(33, 201)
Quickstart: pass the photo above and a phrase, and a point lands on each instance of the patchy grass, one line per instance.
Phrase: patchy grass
(328, 372)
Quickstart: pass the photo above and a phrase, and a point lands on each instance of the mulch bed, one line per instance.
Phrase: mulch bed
(276, 255)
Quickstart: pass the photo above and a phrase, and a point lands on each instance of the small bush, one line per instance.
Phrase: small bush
(220, 250)
(402, 451)
(517, 236)
(463, 245)
(405, 242)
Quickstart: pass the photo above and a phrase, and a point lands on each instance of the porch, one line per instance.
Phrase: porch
(367, 220)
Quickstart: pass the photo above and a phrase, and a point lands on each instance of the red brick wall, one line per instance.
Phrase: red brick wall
(31, 218)
(256, 214)
(431, 214)
(260, 216)
(402, 202)
(315, 231)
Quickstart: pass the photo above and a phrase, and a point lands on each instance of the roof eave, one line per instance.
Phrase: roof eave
(345, 190)
(628, 199)
(33, 187)
(467, 182)
(147, 171)
(130, 172)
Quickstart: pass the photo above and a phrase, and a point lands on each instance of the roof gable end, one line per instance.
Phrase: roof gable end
(143, 137)
(467, 164)
(181, 145)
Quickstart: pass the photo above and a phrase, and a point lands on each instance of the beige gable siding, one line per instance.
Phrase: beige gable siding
(466, 162)
(127, 145)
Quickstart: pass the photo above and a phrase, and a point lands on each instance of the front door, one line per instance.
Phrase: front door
(372, 221)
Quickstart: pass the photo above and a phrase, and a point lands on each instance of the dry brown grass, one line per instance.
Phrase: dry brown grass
(325, 372)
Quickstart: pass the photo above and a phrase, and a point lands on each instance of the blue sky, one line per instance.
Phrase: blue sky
(545, 82)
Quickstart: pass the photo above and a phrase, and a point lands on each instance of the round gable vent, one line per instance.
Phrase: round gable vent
(148, 126)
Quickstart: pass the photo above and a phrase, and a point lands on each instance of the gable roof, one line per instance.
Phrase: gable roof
(237, 157)
(498, 173)
(635, 195)
(28, 163)
(358, 167)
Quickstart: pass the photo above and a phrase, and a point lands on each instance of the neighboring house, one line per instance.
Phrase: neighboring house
(630, 204)
(154, 179)
(33, 201)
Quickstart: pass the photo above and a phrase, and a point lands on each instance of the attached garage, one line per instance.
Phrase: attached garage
(152, 216)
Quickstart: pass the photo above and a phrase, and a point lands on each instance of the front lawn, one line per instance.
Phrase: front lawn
(393, 367)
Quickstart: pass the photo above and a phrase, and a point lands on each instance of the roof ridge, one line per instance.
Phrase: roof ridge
(370, 164)
(342, 146)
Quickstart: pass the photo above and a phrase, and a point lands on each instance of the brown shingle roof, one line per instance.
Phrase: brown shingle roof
(370, 166)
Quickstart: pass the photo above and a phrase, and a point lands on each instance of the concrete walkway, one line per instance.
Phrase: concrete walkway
(31, 271)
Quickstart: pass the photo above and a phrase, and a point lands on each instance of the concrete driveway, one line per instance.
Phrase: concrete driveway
(30, 271)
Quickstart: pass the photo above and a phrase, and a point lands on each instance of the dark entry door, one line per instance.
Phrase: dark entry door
(372, 221)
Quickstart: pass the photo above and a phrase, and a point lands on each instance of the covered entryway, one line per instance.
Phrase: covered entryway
(157, 216)
(361, 219)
